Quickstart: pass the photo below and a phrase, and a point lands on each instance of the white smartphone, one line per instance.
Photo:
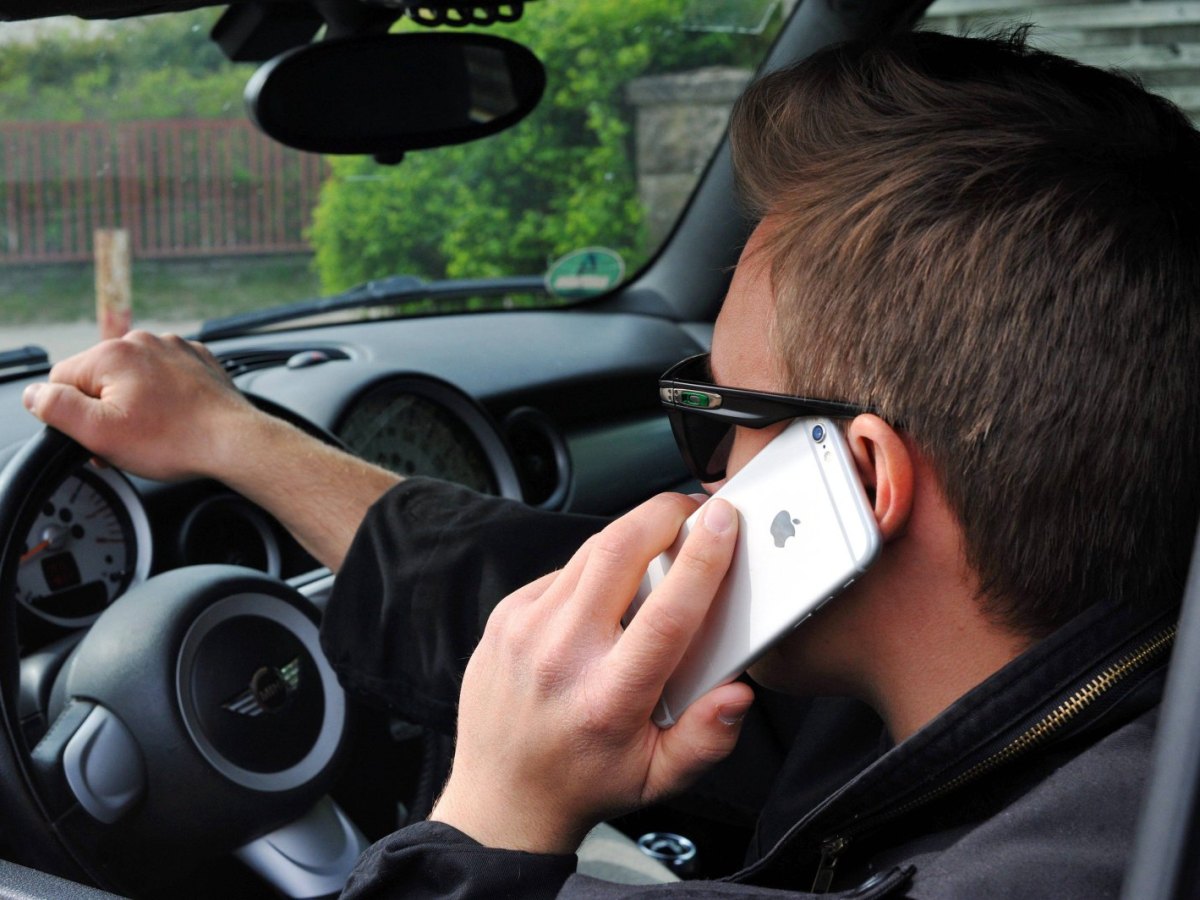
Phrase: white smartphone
(805, 531)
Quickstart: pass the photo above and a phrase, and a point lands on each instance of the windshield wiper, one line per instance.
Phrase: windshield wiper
(23, 361)
(383, 292)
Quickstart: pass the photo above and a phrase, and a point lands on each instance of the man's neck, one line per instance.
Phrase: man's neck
(911, 636)
(908, 646)
(953, 654)
(929, 640)
(919, 638)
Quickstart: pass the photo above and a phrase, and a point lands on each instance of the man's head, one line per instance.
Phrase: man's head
(1000, 250)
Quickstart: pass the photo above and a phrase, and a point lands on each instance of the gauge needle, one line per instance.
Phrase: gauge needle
(34, 551)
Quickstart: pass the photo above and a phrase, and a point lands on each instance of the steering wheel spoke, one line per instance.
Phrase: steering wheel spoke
(91, 758)
(310, 857)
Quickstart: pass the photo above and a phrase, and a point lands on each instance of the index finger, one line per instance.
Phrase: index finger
(618, 557)
(86, 370)
(655, 641)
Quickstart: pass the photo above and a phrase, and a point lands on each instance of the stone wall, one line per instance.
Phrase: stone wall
(679, 120)
(680, 117)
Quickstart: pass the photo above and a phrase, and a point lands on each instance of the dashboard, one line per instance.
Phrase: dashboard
(557, 409)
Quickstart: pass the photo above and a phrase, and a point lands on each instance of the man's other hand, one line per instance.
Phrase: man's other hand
(158, 406)
(554, 730)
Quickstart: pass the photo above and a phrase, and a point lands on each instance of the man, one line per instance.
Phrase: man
(996, 250)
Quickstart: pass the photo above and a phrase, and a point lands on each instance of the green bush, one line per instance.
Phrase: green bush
(560, 180)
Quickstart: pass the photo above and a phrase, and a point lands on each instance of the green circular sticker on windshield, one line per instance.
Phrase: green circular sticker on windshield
(585, 273)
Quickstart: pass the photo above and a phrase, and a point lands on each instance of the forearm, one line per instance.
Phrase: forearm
(319, 493)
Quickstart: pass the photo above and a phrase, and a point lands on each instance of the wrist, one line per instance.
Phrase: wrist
(507, 823)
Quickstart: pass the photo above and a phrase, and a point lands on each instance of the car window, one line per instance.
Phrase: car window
(138, 126)
(1159, 43)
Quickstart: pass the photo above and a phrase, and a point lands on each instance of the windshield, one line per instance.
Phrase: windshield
(132, 134)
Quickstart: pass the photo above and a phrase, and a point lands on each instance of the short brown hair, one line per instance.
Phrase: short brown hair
(1000, 249)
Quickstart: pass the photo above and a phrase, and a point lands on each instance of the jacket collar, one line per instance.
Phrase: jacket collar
(1029, 704)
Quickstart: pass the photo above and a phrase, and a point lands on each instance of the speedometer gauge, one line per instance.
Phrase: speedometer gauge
(412, 435)
(420, 425)
(89, 543)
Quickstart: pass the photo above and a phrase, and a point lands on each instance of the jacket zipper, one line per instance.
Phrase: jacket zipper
(831, 848)
(1063, 714)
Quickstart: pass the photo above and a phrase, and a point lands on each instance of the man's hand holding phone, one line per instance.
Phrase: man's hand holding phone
(554, 730)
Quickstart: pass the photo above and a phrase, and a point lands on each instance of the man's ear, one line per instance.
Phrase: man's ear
(886, 468)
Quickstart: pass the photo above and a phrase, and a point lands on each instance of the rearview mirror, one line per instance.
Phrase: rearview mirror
(386, 94)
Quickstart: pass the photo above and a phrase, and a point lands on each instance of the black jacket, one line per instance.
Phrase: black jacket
(1028, 786)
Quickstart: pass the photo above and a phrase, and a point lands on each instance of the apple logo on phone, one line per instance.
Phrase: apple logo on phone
(783, 527)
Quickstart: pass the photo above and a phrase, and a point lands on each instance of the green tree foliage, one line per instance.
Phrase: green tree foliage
(157, 67)
(560, 180)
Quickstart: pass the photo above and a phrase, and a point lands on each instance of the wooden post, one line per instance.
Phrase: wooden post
(114, 309)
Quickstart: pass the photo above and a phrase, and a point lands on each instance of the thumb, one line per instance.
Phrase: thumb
(704, 735)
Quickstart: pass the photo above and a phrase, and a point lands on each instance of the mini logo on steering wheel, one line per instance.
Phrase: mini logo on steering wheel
(270, 690)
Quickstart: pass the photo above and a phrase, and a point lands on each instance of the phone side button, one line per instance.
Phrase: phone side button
(821, 605)
(809, 616)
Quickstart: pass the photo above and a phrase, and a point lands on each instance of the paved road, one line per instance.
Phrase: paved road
(61, 339)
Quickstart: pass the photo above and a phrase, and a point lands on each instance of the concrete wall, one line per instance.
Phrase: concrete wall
(679, 120)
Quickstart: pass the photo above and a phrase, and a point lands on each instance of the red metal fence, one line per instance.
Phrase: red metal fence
(180, 187)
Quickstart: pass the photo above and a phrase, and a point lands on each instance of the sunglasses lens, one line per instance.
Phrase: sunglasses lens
(705, 444)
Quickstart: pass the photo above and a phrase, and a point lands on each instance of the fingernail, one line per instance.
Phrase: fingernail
(30, 395)
(699, 497)
(733, 713)
(718, 516)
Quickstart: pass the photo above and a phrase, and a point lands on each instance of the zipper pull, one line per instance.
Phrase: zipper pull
(830, 849)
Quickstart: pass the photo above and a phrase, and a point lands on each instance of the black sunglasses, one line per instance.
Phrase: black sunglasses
(703, 414)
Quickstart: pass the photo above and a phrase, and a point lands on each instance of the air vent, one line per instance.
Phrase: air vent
(251, 359)
(540, 456)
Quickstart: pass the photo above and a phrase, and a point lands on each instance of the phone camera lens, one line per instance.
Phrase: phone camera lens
(818, 433)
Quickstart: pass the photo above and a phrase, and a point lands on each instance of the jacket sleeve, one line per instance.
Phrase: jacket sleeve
(427, 566)
(432, 860)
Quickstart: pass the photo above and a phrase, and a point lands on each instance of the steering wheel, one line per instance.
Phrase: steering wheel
(197, 717)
